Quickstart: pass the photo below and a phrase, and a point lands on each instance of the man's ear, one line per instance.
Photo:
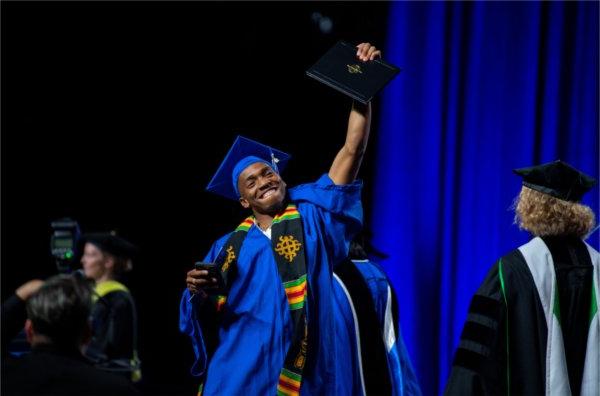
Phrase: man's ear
(29, 331)
(244, 202)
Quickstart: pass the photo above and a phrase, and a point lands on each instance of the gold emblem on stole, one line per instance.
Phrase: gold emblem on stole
(229, 259)
(288, 247)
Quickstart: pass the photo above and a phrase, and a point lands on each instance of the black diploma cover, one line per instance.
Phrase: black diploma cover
(342, 70)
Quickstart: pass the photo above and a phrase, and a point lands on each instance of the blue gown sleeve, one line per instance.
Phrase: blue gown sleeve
(190, 320)
(410, 383)
(339, 209)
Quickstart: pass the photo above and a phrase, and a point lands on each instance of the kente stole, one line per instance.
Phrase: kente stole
(287, 239)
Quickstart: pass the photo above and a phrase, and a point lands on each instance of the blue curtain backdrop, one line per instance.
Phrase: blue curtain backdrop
(486, 87)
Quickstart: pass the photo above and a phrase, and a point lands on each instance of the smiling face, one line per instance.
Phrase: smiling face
(261, 189)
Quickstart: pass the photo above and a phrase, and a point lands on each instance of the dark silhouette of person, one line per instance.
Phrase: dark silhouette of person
(57, 327)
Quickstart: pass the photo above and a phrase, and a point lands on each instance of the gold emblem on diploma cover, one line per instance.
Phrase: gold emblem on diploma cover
(354, 69)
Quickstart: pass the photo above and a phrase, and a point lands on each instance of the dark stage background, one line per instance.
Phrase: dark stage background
(117, 115)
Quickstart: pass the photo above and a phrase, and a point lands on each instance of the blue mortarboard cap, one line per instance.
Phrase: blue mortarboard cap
(242, 154)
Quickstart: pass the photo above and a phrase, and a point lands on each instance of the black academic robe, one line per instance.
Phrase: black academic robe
(503, 344)
(112, 327)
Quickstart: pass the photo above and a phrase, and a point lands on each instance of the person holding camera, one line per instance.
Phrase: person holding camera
(105, 259)
(57, 328)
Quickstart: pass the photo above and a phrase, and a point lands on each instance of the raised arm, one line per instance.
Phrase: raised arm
(347, 161)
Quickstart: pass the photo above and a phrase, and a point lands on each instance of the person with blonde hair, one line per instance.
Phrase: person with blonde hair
(533, 325)
(113, 347)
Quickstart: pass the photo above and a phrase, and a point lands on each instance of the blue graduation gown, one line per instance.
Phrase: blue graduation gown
(401, 374)
(256, 329)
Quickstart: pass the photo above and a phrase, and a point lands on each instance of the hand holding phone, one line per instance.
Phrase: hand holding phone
(205, 277)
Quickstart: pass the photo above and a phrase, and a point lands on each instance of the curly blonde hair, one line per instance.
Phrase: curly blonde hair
(543, 215)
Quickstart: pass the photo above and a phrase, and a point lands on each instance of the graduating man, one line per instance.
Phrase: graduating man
(275, 330)
(533, 326)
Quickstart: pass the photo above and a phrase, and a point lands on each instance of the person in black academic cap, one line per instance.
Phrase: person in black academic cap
(533, 325)
(106, 257)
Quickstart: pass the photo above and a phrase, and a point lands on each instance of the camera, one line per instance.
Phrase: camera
(64, 243)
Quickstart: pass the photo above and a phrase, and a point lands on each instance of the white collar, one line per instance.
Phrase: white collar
(267, 232)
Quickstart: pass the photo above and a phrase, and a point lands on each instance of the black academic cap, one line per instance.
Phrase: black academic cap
(557, 179)
(111, 244)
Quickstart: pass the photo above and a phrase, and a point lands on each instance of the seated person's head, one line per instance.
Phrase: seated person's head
(58, 313)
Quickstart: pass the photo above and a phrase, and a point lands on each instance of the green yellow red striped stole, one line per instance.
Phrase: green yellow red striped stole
(287, 239)
(295, 291)
(289, 383)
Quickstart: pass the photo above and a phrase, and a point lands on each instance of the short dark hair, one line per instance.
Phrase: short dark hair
(60, 309)
(361, 247)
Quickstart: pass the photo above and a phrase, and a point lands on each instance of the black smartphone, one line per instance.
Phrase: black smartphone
(213, 272)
